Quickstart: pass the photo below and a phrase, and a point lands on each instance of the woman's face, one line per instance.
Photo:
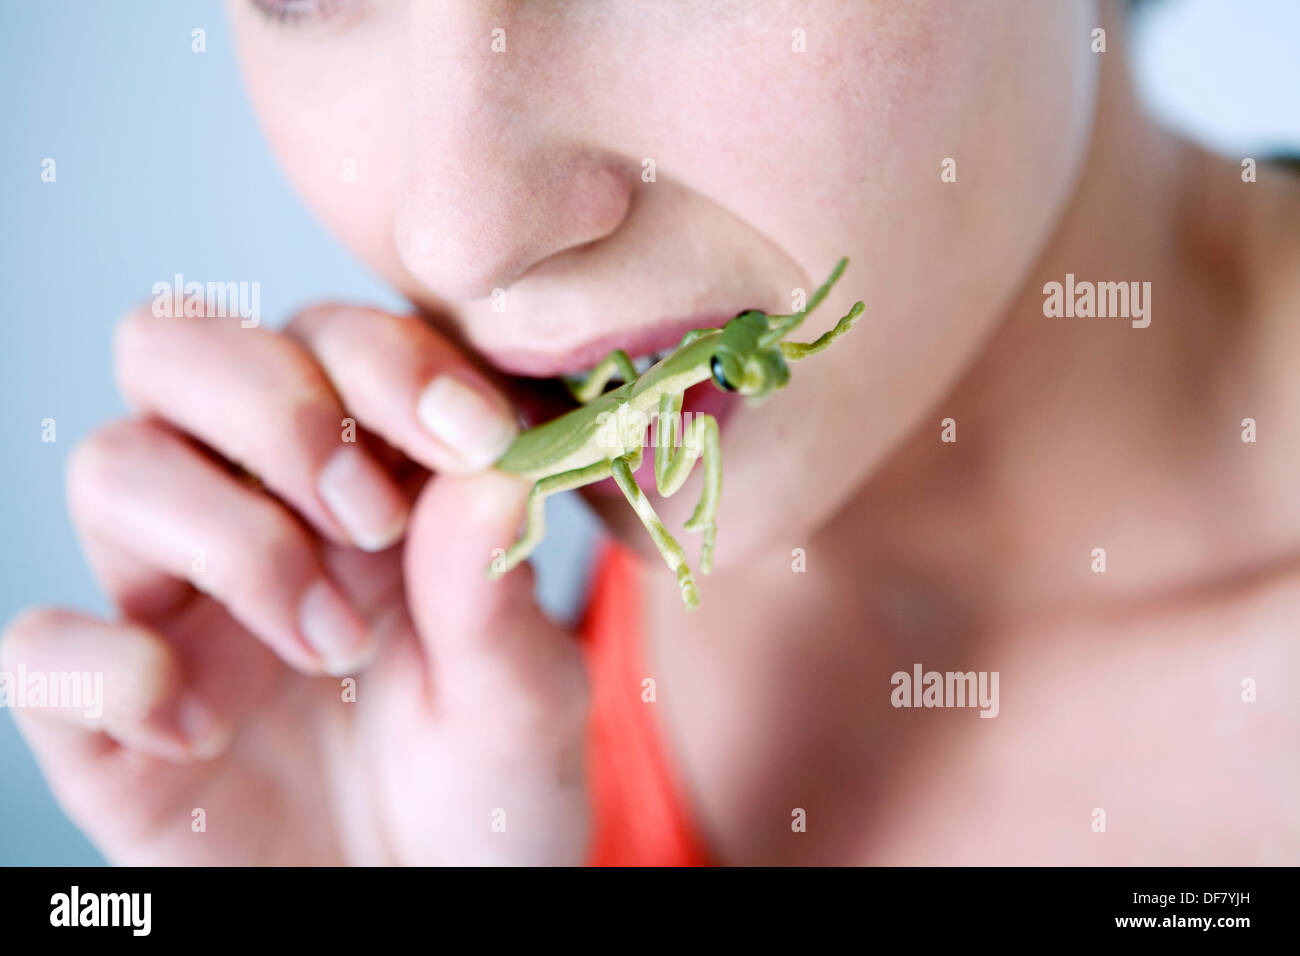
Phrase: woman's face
(461, 147)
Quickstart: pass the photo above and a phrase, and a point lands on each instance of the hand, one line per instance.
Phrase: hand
(239, 601)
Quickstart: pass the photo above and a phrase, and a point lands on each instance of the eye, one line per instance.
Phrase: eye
(291, 11)
(719, 376)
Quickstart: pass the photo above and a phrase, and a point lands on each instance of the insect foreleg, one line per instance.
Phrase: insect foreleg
(668, 547)
(535, 522)
(702, 434)
(674, 465)
(616, 362)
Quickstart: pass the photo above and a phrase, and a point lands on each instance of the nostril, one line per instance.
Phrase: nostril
(464, 241)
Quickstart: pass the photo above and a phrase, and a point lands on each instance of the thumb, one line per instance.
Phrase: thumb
(481, 636)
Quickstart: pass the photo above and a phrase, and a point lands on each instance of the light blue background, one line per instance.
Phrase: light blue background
(162, 170)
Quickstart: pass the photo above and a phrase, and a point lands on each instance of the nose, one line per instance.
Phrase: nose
(501, 170)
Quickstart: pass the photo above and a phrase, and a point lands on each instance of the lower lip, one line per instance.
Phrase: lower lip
(702, 399)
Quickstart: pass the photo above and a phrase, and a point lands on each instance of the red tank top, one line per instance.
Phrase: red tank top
(639, 816)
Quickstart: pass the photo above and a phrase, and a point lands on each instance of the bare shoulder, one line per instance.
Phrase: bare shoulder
(1273, 237)
(1241, 237)
(1242, 217)
(1169, 736)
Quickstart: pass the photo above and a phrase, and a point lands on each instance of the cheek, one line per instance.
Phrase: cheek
(835, 150)
(842, 146)
(1006, 90)
(329, 107)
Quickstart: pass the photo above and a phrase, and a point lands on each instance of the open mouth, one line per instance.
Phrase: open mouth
(536, 382)
(540, 400)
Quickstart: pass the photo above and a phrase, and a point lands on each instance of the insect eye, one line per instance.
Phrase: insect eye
(719, 376)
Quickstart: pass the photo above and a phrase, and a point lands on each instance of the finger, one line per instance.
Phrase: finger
(259, 400)
(406, 383)
(116, 679)
(489, 645)
(139, 590)
(144, 491)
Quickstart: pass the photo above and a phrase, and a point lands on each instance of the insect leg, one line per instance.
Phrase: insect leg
(672, 552)
(672, 464)
(692, 335)
(616, 362)
(703, 435)
(535, 522)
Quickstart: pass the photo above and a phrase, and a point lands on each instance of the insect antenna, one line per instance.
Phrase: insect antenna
(801, 350)
(783, 325)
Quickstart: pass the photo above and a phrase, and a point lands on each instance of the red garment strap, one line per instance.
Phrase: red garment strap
(639, 817)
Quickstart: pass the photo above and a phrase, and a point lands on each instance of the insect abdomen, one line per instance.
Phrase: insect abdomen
(563, 443)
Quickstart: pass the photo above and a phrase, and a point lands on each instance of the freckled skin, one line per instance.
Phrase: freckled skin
(791, 161)
(521, 171)
(857, 542)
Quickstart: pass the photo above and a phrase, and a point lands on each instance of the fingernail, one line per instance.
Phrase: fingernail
(334, 630)
(474, 423)
(206, 735)
(363, 498)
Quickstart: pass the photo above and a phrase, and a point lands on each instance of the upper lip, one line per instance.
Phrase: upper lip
(657, 337)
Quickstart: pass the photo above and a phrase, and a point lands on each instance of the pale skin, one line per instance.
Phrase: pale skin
(1120, 691)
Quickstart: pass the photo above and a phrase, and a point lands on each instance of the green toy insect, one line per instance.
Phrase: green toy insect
(605, 436)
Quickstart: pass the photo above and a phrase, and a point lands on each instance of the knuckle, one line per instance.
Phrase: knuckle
(95, 463)
(301, 385)
(275, 565)
(145, 675)
(364, 340)
(28, 628)
(130, 334)
(313, 319)
(311, 424)
(93, 455)
(288, 357)
(89, 466)
(285, 449)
